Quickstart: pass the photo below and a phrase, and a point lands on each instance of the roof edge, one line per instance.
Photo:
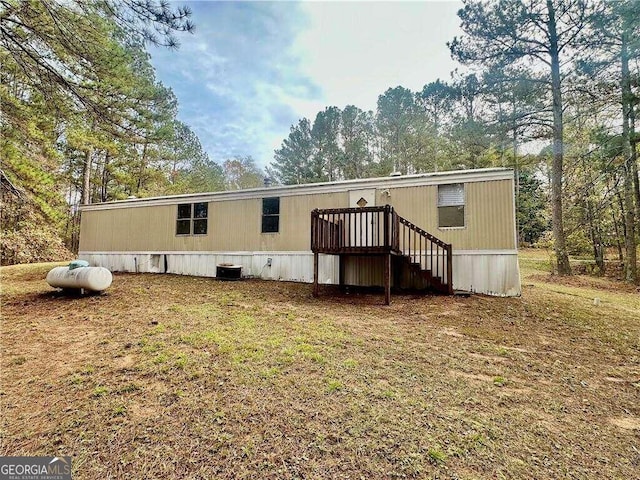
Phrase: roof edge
(420, 179)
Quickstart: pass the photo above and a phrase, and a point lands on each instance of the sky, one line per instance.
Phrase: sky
(252, 69)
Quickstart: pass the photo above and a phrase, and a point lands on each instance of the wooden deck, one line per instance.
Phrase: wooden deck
(380, 231)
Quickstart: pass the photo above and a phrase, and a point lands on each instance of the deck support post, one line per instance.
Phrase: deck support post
(449, 270)
(315, 274)
(341, 272)
(387, 279)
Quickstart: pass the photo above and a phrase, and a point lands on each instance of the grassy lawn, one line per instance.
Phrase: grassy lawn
(178, 377)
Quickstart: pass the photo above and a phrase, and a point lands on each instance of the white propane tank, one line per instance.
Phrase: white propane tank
(95, 279)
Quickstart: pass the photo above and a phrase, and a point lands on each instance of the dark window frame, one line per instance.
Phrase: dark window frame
(195, 219)
(456, 207)
(270, 215)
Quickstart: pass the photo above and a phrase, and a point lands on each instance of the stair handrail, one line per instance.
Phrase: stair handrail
(422, 232)
(447, 259)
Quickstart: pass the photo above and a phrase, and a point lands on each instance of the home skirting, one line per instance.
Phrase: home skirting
(492, 272)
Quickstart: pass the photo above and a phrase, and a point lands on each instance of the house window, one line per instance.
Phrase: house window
(270, 215)
(451, 205)
(192, 219)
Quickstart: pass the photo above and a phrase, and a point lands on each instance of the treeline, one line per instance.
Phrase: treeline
(84, 119)
(550, 89)
(442, 127)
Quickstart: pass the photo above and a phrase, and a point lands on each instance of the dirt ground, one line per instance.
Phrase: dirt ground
(179, 377)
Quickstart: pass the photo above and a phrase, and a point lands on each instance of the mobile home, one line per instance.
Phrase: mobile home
(343, 232)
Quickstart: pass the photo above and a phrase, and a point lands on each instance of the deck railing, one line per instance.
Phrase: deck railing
(352, 230)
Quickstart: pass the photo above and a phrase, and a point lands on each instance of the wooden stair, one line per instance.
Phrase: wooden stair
(428, 258)
(429, 281)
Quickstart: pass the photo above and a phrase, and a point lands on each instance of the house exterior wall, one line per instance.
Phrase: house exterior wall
(140, 236)
(235, 225)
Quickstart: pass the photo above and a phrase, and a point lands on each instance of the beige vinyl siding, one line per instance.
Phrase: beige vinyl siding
(489, 217)
(137, 229)
(235, 225)
(295, 220)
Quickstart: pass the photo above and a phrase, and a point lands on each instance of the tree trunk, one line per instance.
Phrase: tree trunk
(143, 167)
(623, 211)
(617, 232)
(562, 257)
(631, 267)
(516, 169)
(105, 177)
(86, 177)
(71, 211)
(596, 238)
(634, 158)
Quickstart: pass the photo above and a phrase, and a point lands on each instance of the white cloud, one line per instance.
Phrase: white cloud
(355, 51)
